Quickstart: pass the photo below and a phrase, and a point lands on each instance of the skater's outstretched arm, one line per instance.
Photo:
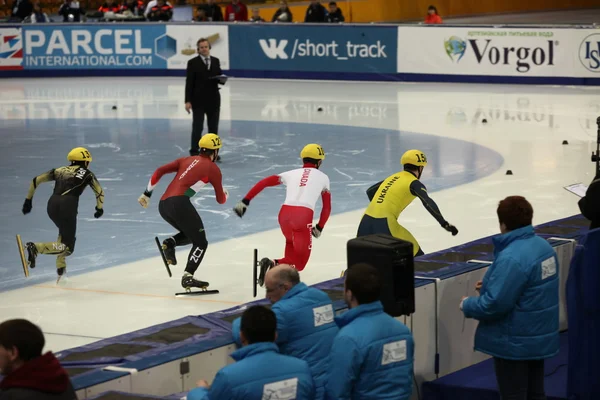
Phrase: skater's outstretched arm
(269, 181)
(325, 213)
(171, 167)
(419, 190)
(240, 207)
(99, 193)
(216, 180)
(162, 170)
(45, 177)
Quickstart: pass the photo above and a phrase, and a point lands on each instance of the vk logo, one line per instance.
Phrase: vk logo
(273, 49)
(589, 52)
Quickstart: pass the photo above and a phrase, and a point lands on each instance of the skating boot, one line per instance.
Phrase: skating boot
(265, 264)
(168, 246)
(188, 282)
(31, 254)
(62, 275)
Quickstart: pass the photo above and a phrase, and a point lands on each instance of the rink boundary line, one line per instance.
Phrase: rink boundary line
(156, 296)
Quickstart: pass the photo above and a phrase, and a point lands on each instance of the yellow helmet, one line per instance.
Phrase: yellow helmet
(414, 157)
(79, 154)
(314, 151)
(210, 141)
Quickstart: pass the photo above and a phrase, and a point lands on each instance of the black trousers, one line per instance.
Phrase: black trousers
(520, 380)
(179, 212)
(212, 112)
(62, 210)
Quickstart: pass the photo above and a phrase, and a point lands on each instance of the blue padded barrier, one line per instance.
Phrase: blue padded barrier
(148, 351)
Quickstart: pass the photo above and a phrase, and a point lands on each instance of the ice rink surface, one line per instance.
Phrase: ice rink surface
(116, 280)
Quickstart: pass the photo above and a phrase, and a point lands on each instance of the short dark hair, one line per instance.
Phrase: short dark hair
(25, 336)
(364, 282)
(410, 167)
(259, 324)
(288, 275)
(308, 160)
(332, 3)
(515, 212)
(202, 40)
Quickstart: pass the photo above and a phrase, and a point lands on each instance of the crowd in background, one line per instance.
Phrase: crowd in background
(31, 11)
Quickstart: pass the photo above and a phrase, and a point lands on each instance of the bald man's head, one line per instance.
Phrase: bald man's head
(279, 280)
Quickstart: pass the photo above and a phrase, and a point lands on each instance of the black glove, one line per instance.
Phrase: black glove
(316, 231)
(450, 228)
(99, 212)
(27, 206)
(241, 207)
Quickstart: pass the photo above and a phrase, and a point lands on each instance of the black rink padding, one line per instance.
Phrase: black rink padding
(231, 318)
(581, 221)
(429, 266)
(557, 230)
(452, 256)
(117, 350)
(335, 295)
(173, 334)
(77, 371)
(123, 396)
(479, 248)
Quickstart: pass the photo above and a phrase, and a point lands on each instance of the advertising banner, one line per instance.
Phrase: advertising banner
(102, 46)
(588, 53)
(486, 51)
(95, 47)
(185, 37)
(11, 49)
(358, 49)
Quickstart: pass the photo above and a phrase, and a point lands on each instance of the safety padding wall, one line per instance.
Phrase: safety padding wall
(443, 53)
(170, 358)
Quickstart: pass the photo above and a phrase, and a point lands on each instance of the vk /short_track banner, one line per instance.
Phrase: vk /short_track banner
(310, 48)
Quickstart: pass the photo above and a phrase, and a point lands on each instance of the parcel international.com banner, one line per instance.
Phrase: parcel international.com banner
(113, 46)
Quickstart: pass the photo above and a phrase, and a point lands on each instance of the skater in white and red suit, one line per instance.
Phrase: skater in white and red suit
(304, 186)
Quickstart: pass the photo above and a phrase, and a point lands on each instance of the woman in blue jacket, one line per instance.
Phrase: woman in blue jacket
(518, 304)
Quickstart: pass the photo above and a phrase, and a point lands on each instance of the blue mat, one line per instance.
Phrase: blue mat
(478, 382)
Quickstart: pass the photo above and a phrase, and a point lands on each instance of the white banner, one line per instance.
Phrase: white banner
(186, 37)
(499, 51)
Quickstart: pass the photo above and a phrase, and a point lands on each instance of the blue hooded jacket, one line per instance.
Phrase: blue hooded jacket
(518, 306)
(260, 372)
(372, 356)
(305, 329)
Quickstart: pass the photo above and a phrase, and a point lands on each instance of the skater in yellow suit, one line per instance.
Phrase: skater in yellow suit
(70, 181)
(392, 195)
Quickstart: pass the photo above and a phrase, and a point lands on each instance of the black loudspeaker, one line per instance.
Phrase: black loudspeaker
(394, 259)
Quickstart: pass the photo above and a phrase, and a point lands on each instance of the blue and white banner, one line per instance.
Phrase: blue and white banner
(309, 48)
(95, 47)
(112, 46)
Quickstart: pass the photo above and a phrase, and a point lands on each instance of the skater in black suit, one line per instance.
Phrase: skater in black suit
(202, 92)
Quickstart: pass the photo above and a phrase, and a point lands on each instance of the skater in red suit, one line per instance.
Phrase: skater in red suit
(192, 173)
(303, 188)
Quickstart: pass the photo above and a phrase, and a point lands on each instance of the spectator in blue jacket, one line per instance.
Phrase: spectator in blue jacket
(260, 371)
(517, 307)
(305, 324)
(372, 355)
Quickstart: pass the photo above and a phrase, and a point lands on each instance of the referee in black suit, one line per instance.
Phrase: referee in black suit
(202, 92)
